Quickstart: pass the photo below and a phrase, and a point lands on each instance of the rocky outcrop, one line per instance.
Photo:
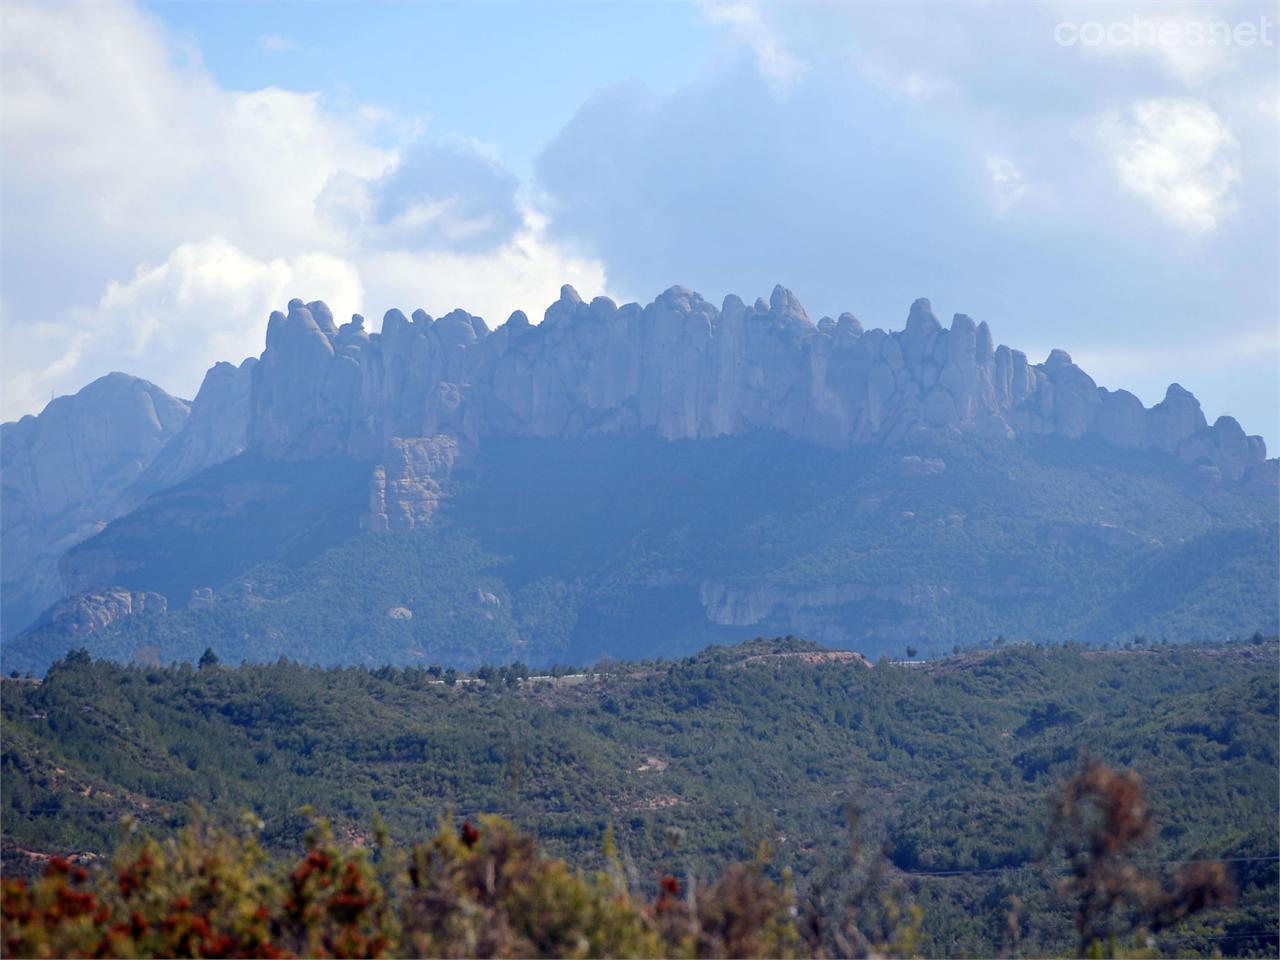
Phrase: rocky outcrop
(682, 368)
(86, 612)
(747, 606)
(68, 472)
(304, 390)
(405, 488)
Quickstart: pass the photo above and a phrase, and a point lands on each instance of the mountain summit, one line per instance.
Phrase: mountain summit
(684, 369)
(425, 391)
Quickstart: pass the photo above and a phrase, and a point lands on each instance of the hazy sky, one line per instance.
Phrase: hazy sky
(1091, 177)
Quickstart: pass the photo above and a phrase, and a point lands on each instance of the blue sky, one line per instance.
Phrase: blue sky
(503, 73)
(175, 170)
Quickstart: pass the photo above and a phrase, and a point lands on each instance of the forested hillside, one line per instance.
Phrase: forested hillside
(549, 550)
(949, 767)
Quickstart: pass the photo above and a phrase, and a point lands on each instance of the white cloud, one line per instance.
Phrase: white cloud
(901, 79)
(108, 141)
(747, 21)
(117, 155)
(153, 218)
(223, 297)
(525, 273)
(208, 300)
(1177, 155)
(29, 387)
(1006, 180)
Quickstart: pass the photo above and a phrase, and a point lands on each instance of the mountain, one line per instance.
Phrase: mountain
(675, 474)
(70, 471)
(685, 370)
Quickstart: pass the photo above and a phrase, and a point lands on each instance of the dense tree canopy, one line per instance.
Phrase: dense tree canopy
(691, 765)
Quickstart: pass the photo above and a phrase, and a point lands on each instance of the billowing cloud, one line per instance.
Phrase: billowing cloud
(941, 151)
(1178, 156)
(441, 195)
(750, 22)
(115, 152)
(525, 273)
(153, 218)
(205, 300)
(120, 163)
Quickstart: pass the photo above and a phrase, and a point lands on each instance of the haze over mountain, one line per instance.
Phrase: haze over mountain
(548, 490)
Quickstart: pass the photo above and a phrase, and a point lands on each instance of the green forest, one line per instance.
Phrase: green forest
(926, 792)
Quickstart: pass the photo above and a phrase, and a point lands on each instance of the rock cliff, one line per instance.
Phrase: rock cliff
(216, 430)
(681, 368)
(68, 472)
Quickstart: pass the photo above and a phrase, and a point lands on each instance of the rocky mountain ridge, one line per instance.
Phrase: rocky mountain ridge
(426, 391)
(685, 369)
(421, 396)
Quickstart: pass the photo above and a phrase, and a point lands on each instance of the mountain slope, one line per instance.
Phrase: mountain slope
(67, 473)
(567, 550)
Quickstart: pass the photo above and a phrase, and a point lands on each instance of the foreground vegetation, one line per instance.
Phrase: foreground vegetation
(933, 787)
(486, 891)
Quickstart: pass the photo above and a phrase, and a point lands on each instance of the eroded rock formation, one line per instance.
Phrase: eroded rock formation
(682, 368)
(217, 429)
(86, 612)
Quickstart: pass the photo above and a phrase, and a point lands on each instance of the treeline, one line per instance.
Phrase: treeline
(693, 765)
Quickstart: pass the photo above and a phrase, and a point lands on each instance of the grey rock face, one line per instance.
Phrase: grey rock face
(405, 488)
(1174, 419)
(1122, 420)
(681, 368)
(86, 612)
(70, 471)
(1224, 447)
(217, 429)
(300, 384)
